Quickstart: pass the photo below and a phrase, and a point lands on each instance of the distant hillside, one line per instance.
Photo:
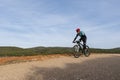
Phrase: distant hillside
(15, 51)
(114, 50)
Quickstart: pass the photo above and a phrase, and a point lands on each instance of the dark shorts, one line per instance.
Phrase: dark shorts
(84, 39)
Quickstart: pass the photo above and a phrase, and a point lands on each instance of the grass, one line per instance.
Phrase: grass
(15, 51)
(115, 50)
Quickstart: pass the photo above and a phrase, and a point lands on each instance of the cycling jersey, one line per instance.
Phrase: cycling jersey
(81, 34)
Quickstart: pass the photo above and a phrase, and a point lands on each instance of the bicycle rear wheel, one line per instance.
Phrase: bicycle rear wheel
(76, 51)
(87, 51)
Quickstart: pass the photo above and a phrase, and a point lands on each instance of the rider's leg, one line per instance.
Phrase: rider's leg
(84, 42)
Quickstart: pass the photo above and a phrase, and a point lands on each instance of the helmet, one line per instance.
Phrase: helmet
(78, 29)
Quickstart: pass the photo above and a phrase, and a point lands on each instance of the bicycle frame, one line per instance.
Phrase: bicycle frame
(79, 44)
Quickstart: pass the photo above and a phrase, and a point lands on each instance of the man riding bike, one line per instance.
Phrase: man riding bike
(82, 36)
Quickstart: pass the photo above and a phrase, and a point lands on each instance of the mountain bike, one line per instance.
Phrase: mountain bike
(79, 50)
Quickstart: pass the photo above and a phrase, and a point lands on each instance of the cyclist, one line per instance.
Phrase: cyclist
(82, 36)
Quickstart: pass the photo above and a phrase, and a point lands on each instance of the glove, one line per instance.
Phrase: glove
(73, 41)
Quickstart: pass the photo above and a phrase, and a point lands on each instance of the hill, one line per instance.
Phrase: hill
(16, 51)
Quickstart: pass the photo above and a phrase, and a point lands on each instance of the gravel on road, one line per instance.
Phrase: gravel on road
(94, 67)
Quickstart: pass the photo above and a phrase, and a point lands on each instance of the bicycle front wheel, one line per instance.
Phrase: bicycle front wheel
(76, 51)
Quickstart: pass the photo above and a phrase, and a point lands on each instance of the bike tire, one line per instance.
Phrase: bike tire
(87, 51)
(76, 51)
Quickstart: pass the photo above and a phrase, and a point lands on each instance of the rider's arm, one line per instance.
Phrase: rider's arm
(75, 37)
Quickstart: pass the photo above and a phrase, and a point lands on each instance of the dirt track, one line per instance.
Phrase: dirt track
(95, 67)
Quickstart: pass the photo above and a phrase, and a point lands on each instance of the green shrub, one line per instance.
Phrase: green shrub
(15, 51)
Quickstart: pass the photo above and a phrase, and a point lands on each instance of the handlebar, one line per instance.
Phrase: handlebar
(76, 41)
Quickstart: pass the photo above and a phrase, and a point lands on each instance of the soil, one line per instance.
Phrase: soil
(61, 67)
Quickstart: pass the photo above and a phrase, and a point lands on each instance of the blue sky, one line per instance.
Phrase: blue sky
(31, 23)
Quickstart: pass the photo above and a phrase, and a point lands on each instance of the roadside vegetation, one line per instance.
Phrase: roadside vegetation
(15, 51)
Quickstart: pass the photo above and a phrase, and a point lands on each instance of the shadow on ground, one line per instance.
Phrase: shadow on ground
(97, 69)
